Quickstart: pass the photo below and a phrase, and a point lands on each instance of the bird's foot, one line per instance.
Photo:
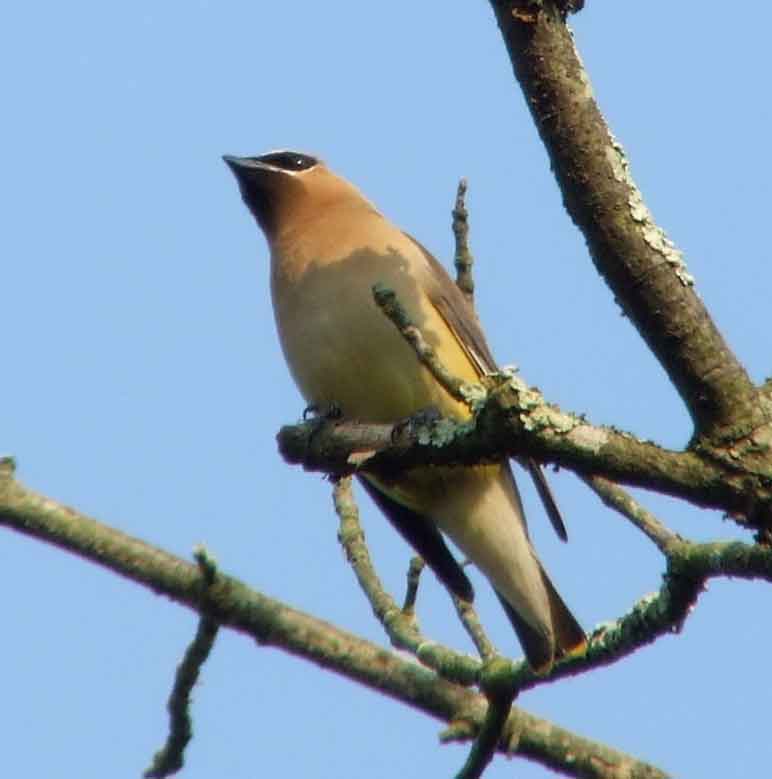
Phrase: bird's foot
(331, 412)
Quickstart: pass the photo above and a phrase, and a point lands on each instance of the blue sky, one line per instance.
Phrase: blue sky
(144, 384)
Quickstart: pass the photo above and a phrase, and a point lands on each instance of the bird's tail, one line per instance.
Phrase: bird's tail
(567, 640)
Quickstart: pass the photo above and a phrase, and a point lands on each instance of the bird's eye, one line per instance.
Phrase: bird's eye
(289, 160)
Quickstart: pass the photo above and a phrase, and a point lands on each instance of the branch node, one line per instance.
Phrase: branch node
(207, 563)
(458, 730)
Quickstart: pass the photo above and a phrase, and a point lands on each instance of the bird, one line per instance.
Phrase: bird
(329, 245)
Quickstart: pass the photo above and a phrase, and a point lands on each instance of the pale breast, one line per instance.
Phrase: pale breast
(339, 346)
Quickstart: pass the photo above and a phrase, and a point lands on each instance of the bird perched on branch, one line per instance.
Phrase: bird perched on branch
(329, 246)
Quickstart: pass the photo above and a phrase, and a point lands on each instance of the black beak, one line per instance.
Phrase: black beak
(255, 184)
(245, 169)
(236, 163)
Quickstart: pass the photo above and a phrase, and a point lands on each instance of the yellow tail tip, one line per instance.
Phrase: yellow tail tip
(577, 650)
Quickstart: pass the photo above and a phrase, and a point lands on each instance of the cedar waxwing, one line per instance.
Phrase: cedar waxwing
(329, 245)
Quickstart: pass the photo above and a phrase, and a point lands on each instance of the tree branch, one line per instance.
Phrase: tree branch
(414, 571)
(500, 694)
(170, 758)
(271, 623)
(463, 258)
(401, 627)
(403, 630)
(689, 567)
(623, 503)
(516, 421)
(386, 300)
(521, 424)
(643, 268)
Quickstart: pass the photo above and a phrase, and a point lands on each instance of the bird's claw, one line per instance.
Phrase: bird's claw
(332, 412)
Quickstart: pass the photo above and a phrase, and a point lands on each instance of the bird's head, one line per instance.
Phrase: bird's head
(282, 188)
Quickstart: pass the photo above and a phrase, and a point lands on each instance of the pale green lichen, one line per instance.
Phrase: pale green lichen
(589, 94)
(652, 234)
(608, 632)
(442, 432)
(588, 438)
(546, 417)
(615, 155)
(474, 395)
(535, 413)
(528, 397)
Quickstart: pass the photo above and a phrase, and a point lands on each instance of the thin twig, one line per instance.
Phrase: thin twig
(272, 623)
(387, 301)
(171, 757)
(689, 567)
(399, 626)
(404, 633)
(414, 571)
(463, 259)
(622, 502)
(206, 562)
(471, 622)
(498, 689)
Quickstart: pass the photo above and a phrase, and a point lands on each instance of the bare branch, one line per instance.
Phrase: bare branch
(387, 301)
(512, 419)
(463, 259)
(500, 694)
(690, 566)
(401, 628)
(414, 571)
(624, 503)
(643, 268)
(232, 604)
(589, 760)
(516, 421)
(170, 758)
(471, 622)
